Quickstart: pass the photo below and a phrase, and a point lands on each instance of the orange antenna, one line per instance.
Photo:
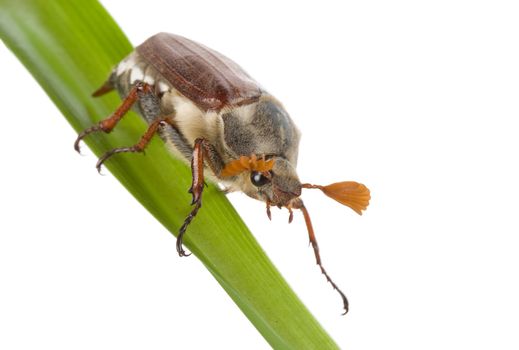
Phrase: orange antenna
(350, 193)
(245, 163)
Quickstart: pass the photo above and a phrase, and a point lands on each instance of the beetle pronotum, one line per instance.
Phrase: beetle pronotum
(212, 114)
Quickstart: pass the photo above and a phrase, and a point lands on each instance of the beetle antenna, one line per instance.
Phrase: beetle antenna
(349, 193)
(315, 246)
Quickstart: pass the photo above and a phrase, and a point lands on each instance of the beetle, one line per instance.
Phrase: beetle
(215, 117)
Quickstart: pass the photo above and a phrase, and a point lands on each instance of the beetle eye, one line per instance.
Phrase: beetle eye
(258, 179)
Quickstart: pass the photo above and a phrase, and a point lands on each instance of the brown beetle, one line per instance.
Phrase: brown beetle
(212, 114)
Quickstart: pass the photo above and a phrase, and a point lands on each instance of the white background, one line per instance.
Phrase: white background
(418, 100)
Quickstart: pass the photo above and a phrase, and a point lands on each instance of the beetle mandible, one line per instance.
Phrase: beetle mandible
(213, 115)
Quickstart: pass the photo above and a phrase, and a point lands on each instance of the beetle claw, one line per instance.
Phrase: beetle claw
(110, 153)
(85, 133)
(100, 162)
(76, 145)
(180, 249)
(99, 167)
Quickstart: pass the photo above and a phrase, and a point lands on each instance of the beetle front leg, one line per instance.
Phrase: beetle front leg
(298, 204)
(202, 151)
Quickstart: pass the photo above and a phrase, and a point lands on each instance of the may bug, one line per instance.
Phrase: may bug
(212, 114)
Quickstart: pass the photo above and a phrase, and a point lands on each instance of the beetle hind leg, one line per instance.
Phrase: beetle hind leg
(108, 124)
(139, 146)
(104, 89)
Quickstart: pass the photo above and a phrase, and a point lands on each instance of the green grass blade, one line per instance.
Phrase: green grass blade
(70, 47)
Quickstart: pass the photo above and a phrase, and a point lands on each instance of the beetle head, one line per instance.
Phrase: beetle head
(279, 186)
(273, 180)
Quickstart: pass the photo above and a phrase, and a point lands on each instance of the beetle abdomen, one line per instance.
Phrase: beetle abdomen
(133, 69)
